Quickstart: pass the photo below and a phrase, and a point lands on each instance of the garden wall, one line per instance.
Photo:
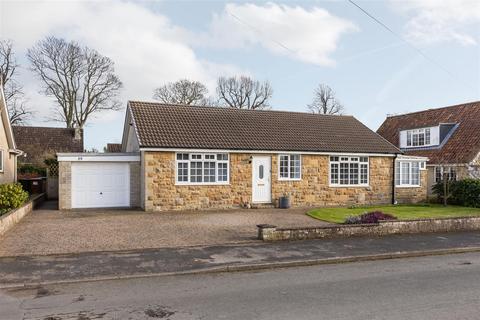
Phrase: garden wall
(272, 233)
(8, 220)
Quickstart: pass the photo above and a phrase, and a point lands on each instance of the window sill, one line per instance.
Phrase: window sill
(203, 184)
(407, 186)
(286, 179)
(349, 185)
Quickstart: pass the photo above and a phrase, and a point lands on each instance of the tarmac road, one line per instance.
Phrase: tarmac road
(439, 287)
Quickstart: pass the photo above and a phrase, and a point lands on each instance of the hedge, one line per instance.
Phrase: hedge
(463, 192)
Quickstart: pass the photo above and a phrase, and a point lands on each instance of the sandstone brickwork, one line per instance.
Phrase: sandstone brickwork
(162, 193)
(405, 195)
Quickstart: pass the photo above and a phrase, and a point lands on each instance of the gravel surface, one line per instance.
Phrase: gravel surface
(48, 231)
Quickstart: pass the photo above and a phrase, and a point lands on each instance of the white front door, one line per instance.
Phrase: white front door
(100, 184)
(261, 179)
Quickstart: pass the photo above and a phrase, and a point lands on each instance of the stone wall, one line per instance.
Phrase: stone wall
(314, 190)
(64, 185)
(272, 233)
(135, 184)
(161, 192)
(413, 194)
(8, 220)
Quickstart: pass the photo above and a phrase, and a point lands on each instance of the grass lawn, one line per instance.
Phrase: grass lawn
(402, 212)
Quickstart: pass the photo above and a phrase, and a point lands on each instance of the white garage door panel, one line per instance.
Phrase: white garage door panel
(100, 184)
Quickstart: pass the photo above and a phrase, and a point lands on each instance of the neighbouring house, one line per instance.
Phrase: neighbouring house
(41, 143)
(113, 147)
(449, 137)
(8, 147)
(177, 157)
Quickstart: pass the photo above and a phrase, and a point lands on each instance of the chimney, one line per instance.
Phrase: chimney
(78, 133)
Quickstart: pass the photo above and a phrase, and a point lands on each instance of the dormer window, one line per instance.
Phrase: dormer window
(418, 137)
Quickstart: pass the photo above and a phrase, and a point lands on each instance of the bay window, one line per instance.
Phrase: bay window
(289, 167)
(202, 168)
(348, 170)
(407, 173)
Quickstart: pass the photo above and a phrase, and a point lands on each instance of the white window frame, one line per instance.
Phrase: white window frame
(399, 174)
(349, 159)
(441, 168)
(288, 168)
(2, 160)
(417, 133)
(201, 157)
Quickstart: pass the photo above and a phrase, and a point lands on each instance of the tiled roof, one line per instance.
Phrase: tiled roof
(461, 147)
(178, 126)
(114, 147)
(41, 142)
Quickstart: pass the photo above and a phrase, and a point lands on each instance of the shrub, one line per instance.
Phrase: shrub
(466, 192)
(438, 190)
(463, 192)
(31, 169)
(11, 196)
(353, 220)
(369, 217)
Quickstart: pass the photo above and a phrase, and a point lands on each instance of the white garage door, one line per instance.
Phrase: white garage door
(100, 185)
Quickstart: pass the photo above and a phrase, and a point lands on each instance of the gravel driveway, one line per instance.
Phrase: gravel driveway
(48, 231)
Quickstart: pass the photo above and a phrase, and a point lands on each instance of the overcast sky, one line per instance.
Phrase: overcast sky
(294, 44)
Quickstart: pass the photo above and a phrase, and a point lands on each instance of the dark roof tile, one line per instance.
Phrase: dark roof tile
(178, 126)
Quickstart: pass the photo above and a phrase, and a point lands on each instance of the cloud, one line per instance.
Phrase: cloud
(434, 21)
(147, 48)
(306, 35)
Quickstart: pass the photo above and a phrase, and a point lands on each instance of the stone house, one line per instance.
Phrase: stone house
(449, 137)
(177, 157)
(8, 147)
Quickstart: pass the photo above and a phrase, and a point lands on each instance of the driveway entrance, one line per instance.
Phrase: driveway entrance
(49, 231)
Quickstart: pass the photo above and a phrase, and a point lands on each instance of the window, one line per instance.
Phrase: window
(1, 160)
(289, 167)
(407, 173)
(418, 137)
(348, 170)
(202, 168)
(451, 173)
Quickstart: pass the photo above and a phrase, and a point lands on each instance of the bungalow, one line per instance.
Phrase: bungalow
(177, 157)
(449, 137)
(8, 147)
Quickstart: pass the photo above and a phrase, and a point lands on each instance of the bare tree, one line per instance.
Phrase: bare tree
(325, 102)
(243, 93)
(183, 91)
(18, 111)
(82, 81)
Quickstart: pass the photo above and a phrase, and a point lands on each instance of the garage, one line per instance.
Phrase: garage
(100, 185)
(98, 180)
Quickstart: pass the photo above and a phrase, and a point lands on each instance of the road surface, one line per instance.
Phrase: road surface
(441, 287)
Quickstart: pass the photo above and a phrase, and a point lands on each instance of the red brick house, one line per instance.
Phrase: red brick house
(449, 137)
